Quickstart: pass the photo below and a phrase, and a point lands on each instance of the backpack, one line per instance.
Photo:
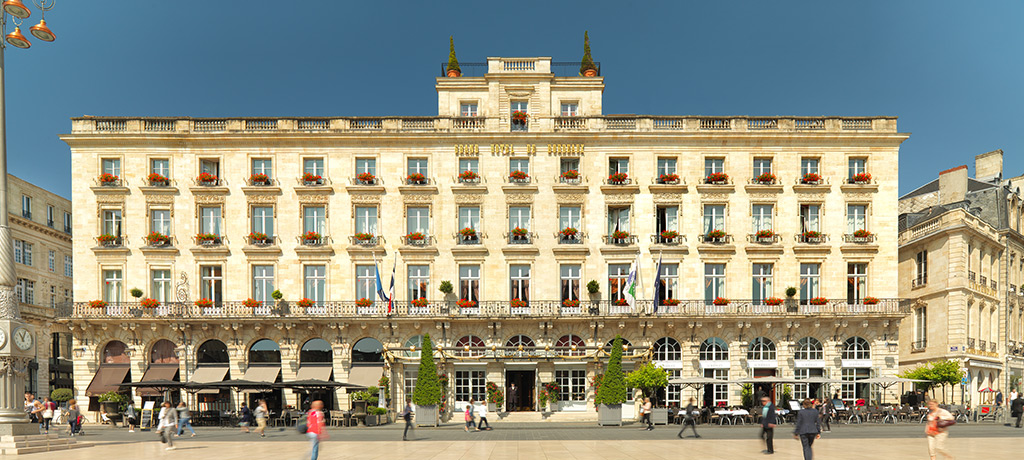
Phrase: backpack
(301, 427)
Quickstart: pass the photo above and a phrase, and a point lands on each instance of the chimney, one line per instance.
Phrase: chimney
(953, 185)
(988, 167)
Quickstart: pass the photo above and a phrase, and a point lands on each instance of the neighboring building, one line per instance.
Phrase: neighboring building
(40, 224)
(252, 207)
(962, 261)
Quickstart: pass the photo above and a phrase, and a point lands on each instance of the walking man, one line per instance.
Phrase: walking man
(168, 424)
(315, 428)
(469, 417)
(130, 417)
(999, 398)
(808, 427)
(768, 421)
(1017, 408)
(689, 420)
(244, 417)
(407, 416)
(261, 414)
(482, 411)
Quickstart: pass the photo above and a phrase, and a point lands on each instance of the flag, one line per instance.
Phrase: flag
(629, 293)
(380, 285)
(657, 284)
(391, 298)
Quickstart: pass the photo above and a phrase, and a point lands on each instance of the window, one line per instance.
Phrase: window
(53, 297)
(809, 348)
(366, 219)
(51, 261)
(25, 291)
(518, 106)
(314, 219)
(568, 164)
(762, 217)
(469, 217)
(617, 276)
(211, 282)
(762, 166)
(618, 165)
(67, 295)
(68, 267)
(210, 167)
(112, 285)
(315, 283)
(418, 166)
(714, 281)
(476, 345)
(23, 252)
(762, 285)
(470, 384)
(921, 272)
(920, 328)
(263, 283)
(666, 166)
(810, 282)
(416, 342)
(808, 166)
(858, 166)
(570, 109)
(262, 166)
(519, 164)
(714, 217)
(713, 165)
(810, 218)
(409, 376)
(111, 166)
(668, 283)
(519, 282)
(366, 282)
(49, 216)
(418, 220)
(519, 217)
(160, 221)
(516, 341)
(263, 220)
(856, 218)
(419, 281)
(667, 349)
(570, 345)
(716, 395)
(572, 384)
(469, 164)
(569, 276)
(160, 285)
(852, 391)
(468, 109)
(469, 282)
(714, 349)
(314, 166)
(112, 222)
(856, 348)
(161, 166)
(761, 349)
(67, 222)
(667, 219)
(857, 283)
(209, 220)
(618, 219)
(569, 217)
(366, 165)
(26, 206)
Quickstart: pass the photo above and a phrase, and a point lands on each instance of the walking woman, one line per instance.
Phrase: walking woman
(315, 430)
(168, 424)
(646, 411)
(184, 419)
(261, 414)
(49, 410)
(939, 421)
(73, 414)
(808, 427)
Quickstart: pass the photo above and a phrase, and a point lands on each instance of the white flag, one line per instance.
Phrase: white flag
(632, 283)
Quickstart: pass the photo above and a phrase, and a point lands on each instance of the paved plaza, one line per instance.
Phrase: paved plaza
(548, 441)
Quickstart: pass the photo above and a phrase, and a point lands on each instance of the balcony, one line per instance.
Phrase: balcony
(920, 344)
(312, 180)
(209, 240)
(26, 214)
(263, 181)
(417, 240)
(366, 240)
(859, 238)
(576, 238)
(761, 238)
(618, 180)
(709, 238)
(111, 241)
(314, 242)
(620, 240)
(519, 178)
(474, 239)
(158, 241)
(260, 241)
(468, 123)
(366, 179)
(208, 181)
(811, 238)
(667, 239)
(517, 238)
(418, 180)
(669, 179)
(918, 282)
(570, 123)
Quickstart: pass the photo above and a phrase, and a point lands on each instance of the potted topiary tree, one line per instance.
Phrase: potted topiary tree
(61, 395)
(791, 304)
(592, 288)
(612, 392)
(587, 67)
(453, 64)
(427, 394)
(136, 292)
(649, 378)
(113, 403)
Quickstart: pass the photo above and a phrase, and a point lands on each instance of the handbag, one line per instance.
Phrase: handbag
(48, 413)
(945, 423)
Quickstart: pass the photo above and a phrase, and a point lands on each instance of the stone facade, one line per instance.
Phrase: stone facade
(564, 130)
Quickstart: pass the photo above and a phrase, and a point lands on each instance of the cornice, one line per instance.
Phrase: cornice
(36, 227)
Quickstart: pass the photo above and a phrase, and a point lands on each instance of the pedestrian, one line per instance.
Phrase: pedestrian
(130, 417)
(939, 421)
(1013, 394)
(1017, 408)
(73, 414)
(999, 398)
(30, 406)
(315, 430)
(37, 414)
(49, 410)
(828, 411)
(244, 417)
(808, 427)
(689, 420)
(168, 424)
(513, 397)
(768, 421)
(261, 413)
(406, 415)
(645, 414)
(482, 411)
(469, 417)
(184, 419)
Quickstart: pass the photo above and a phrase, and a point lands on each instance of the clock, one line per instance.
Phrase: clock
(3, 338)
(22, 339)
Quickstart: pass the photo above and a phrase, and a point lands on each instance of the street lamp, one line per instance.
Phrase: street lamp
(16, 336)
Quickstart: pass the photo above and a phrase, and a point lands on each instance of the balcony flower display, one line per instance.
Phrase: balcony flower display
(818, 301)
(870, 300)
(773, 301)
(206, 179)
(861, 234)
(469, 177)
(416, 236)
(811, 178)
(98, 304)
(157, 239)
(364, 302)
(861, 178)
(157, 180)
(766, 178)
(468, 233)
(519, 117)
(569, 232)
(618, 178)
(670, 302)
(363, 236)
(717, 178)
(765, 235)
(621, 302)
(518, 232)
(516, 303)
(106, 238)
(207, 238)
(720, 301)
(416, 178)
(258, 238)
(150, 303)
(312, 179)
(669, 235)
(311, 237)
(571, 174)
(108, 179)
(620, 235)
(251, 303)
(420, 302)
(368, 179)
(571, 303)
(670, 178)
(716, 234)
(811, 235)
(259, 179)
(464, 303)
(204, 303)
(518, 176)
(305, 303)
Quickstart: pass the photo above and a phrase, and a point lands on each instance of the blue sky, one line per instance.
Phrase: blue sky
(951, 71)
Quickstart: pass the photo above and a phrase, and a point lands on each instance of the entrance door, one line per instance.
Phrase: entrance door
(764, 389)
(519, 390)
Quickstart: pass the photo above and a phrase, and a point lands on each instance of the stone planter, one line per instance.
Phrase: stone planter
(609, 415)
(372, 420)
(426, 415)
(492, 408)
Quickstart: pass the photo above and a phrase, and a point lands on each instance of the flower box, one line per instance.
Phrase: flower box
(468, 233)
(668, 179)
(871, 301)
(811, 179)
(158, 180)
(518, 232)
(98, 304)
(207, 239)
(818, 301)
(305, 303)
(720, 301)
(519, 117)
(618, 179)
(364, 302)
(415, 237)
(517, 304)
(369, 179)
(717, 179)
(363, 237)
(620, 302)
(619, 235)
(469, 177)
(259, 239)
(207, 179)
(107, 179)
(158, 239)
(670, 302)
(812, 236)
(108, 239)
(312, 179)
(862, 234)
(204, 303)
(150, 303)
(259, 179)
(716, 236)
(311, 238)
(773, 301)
(669, 236)
(463, 303)
(765, 236)
(251, 303)
(571, 303)
(518, 176)
(420, 302)
(861, 178)
(569, 232)
(416, 179)
(571, 176)
(766, 178)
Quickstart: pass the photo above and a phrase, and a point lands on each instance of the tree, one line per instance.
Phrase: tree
(587, 63)
(453, 64)
(428, 389)
(648, 378)
(613, 385)
(940, 373)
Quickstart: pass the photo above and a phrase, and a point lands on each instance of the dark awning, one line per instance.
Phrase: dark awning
(157, 372)
(109, 377)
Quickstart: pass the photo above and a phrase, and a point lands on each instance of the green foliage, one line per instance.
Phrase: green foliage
(648, 378)
(946, 372)
(115, 397)
(277, 295)
(136, 292)
(428, 389)
(549, 393)
(747, 395)
(60, 395)
(369, 395)
(587, 63)
(787, 395)
(374, 410)
(612, 389)
(453, 64)
(593, 286)
(445, 287)
(790, 291)
(495, 395)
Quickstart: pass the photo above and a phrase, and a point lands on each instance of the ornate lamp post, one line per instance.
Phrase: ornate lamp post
(17, 338)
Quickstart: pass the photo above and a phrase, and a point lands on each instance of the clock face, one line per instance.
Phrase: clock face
(22, 338)
(3, 338)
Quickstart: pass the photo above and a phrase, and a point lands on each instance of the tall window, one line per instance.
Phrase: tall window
(617, 275)
(263, 220)
(519, 282)
(69, 269)
(857, 166)
(667, 218)
(53, 297)
(714, 217)
(808, 166)
(618, 165)
(666, 166)
(314, 219)
(111, 166)
(568, 164)
(713, 165)
(618, 219)
(519, 164)
(761, 348)
(762, 217)
(570, 281)
(160, 285)
(67, 222)
(572, 384)
(314, 166)
(315, 283)
(366, 219)
(468, 109)
(418, 220)
(51, 261)
(921, 268)
(857, 282)
(762, 166)
(419, 281)
(112, 280)
(810, 218)
(810, 282)
(23, 252)
(211, 282)
(160, 221)
(469, 217)
(161, 166)
(714, 281)
(210, 166)
(668, 283)
(856, 218)
(49, 216)
(762, 285)
(519, 217)
(26, 291)
(366, 287)
(366, 165)
(920, 327)
(569, 217)
(262, 166)
(26, 206)
(518, 106)
(469, 164)
(209, 219)
(469, 282)
(570, 109)
(716, 395)
(418, 165)
(809, 348)
(667, 349)
(112, 222)
(470, 384)
(263, 283)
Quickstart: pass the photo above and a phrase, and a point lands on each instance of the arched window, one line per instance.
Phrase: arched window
(714, 349)
(212, 352)
(667, 349)
(469, 345)
(265, 351)
(856, 348)
(116, 352)
(368, 350)
(520, 345)
(809, 348)
(316, 351)
(570, 345)
(163, 352)
(625, 346)
(761, 348)
(413, 346)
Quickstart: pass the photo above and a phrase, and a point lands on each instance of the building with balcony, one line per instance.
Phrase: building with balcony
(962, 261)
(518, 212)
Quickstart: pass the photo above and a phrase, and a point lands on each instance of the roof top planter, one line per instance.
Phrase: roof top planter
(587, 66)
(453, 63)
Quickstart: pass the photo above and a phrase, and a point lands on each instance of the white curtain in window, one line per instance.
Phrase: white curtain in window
(714, 217)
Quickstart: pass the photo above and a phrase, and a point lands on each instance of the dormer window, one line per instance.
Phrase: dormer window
(468, 109)
(570, 109)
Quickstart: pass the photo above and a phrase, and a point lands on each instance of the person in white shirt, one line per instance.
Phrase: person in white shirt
(1013, 395)
(482, 412)
(168, 424)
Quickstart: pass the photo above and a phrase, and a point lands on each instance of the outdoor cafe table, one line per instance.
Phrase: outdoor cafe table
(731, 416)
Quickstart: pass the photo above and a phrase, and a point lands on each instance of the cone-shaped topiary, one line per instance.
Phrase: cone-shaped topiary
(453, 64)
(613, 385)
(588, 62)
(428, 389)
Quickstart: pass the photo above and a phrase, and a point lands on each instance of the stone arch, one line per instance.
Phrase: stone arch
(316, 351)
(162, 351)
(368, 350)
(212, 351)
(114, 352)
(263, 351)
